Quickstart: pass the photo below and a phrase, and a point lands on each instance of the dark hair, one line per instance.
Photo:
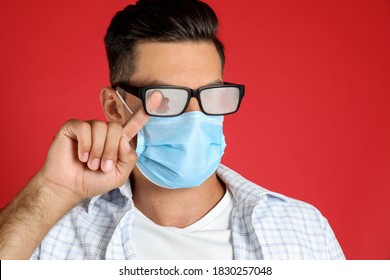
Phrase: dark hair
(160, 21)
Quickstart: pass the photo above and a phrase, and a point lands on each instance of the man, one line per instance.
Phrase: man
(148, 184)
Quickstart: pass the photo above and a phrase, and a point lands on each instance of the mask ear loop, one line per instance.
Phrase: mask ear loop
(124, 102)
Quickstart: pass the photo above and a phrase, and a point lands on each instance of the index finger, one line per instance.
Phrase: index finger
(138, 120)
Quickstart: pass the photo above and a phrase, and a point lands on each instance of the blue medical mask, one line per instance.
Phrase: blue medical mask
(180, 152)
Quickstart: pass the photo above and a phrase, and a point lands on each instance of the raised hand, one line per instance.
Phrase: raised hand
(88, 158)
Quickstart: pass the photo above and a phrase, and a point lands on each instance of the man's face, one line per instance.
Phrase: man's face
(188, 64)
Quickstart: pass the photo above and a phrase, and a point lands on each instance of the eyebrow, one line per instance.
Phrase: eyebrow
(161, 83)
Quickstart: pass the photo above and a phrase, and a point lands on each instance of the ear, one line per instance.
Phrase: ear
(113, 107)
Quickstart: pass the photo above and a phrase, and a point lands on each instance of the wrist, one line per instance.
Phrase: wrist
(55, 194)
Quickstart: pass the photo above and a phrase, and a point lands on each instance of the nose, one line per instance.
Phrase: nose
(193, 105)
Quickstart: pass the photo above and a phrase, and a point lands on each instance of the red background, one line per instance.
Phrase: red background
(314, 125)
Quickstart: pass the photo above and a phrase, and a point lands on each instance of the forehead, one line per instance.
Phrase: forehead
(190, 64)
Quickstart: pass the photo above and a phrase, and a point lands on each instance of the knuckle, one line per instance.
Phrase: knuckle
(69, 123)
(98, 125)
(75, 128)
(82, 126)
(114, 125)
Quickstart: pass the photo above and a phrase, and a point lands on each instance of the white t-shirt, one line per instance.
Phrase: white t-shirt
(208, 238)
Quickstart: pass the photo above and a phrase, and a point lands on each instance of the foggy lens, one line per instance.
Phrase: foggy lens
(221, 100)
(172, 103)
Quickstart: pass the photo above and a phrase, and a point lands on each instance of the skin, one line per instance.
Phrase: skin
(99, 157)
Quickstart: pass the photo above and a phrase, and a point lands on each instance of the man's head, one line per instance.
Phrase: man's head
(157, 21)
(170, 47)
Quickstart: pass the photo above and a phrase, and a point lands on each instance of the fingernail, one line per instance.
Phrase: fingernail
(108, 165)
(84, 157)
(95, 164)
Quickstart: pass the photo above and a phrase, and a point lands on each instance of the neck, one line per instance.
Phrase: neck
(175, 207)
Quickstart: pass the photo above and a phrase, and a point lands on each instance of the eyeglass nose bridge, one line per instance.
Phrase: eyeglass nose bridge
(196, 94)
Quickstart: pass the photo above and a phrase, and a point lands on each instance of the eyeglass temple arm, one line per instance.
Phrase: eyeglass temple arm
(124, 102)
(133, 90)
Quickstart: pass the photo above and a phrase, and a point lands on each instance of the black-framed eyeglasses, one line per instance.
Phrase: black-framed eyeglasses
(213, 100)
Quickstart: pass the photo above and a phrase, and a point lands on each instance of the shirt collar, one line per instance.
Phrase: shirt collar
(125, 190)
(244, 190)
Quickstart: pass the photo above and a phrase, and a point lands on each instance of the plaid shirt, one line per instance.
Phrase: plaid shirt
(265, 225)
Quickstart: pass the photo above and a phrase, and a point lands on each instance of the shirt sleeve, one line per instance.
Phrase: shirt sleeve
(333, 247)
